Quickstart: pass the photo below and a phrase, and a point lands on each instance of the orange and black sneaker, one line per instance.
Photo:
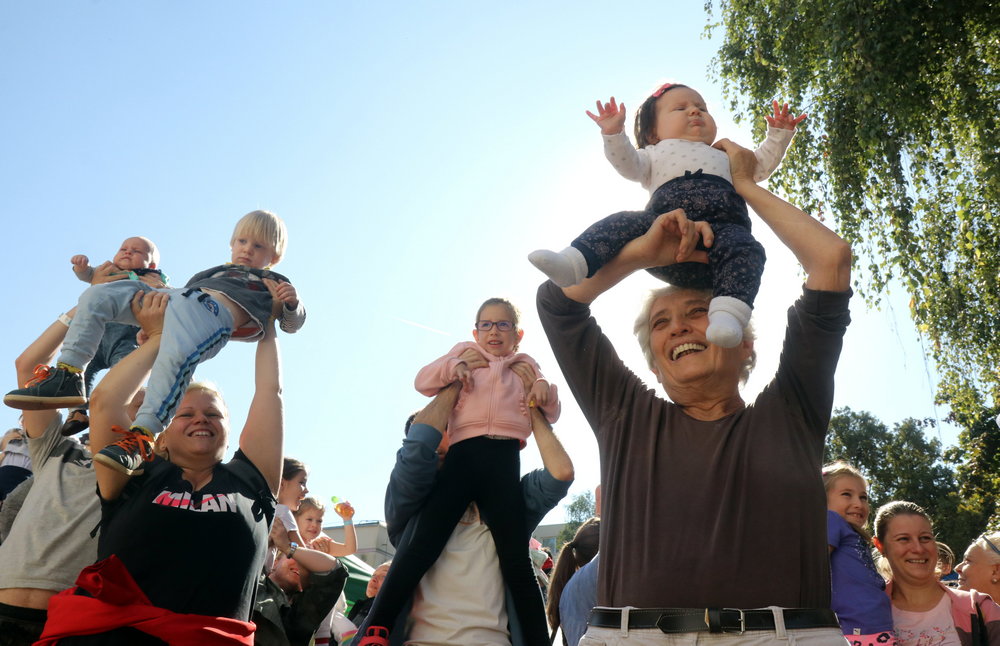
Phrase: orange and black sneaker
(128, 454)
(50, 387)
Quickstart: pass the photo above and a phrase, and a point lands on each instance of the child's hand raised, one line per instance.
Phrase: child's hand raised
(344, 509)
(782, 119)
(610, 117)
(80, 263)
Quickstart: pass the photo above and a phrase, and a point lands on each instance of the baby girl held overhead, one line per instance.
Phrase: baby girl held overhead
(676, 161)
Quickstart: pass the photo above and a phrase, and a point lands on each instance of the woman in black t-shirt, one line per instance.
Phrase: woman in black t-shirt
(182, 543)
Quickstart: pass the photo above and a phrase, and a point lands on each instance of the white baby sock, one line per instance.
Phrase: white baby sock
(727, 316)
(566, 268)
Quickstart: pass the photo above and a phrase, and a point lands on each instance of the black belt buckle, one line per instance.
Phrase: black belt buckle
(713, 619)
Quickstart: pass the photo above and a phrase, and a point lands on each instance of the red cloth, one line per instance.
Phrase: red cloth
(117, 602)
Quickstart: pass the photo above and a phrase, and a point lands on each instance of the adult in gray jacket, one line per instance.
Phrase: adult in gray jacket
(462, 598)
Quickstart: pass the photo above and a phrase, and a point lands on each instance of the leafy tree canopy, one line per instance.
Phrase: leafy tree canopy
(902, 147)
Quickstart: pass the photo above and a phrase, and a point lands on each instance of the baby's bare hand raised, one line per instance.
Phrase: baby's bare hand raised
(782, 119)
(80, 262)
(610, 117)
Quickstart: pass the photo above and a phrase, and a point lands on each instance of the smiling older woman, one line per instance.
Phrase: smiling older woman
(702, 490)
(182, 544)
(980, 569)
(923, 610)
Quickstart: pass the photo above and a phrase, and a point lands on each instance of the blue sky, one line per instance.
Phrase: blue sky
(417, 151)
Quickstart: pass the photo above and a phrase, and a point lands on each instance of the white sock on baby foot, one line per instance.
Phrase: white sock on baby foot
(566, 268)
(727, 316)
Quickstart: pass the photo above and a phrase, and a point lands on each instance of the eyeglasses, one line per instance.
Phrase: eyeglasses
(486, 326)
(663, 88)
(990, 543)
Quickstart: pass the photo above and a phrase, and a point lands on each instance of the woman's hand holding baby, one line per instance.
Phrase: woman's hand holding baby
(742, 163)
(610, 117)
(149, 309)
(106, 272)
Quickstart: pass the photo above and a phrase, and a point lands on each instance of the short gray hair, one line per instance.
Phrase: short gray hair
(989, 543)
(642, 331)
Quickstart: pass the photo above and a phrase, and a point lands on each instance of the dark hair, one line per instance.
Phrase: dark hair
(645, 119)
(890, 510)
(515, 314)
(574, 555)
(291, 468)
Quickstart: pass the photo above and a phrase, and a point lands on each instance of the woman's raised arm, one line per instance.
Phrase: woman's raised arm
(263, 434)
(824, 255)
(109, 401)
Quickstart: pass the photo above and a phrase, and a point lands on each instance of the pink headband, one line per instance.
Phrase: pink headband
(663, 88)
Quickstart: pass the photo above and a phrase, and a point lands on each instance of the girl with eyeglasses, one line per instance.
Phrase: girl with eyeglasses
(488, 427)
(676, 158)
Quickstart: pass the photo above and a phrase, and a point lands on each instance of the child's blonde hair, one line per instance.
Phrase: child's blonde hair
(266, 226)
(836, 470)
(309, 503)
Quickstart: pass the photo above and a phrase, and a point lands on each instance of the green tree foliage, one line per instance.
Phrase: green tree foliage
(978, 472)
(904, 464)
(902, 147)
(577, 510)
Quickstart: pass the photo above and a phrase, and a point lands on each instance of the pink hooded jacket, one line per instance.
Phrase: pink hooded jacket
(496, 405)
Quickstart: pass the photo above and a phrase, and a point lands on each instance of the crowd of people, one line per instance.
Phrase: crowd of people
(145, 535)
